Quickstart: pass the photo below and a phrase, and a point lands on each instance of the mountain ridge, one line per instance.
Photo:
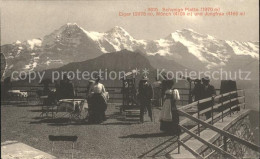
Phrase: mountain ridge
(71, 43)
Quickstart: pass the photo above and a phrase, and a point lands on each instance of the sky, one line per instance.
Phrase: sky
(22, 20)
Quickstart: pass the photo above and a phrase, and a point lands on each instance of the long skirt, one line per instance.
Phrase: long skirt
(170, 125)
(97, 108)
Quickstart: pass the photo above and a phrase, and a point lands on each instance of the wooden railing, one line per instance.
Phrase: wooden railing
(115, 93)
(226, 108)
(213, 100)
(217, 149)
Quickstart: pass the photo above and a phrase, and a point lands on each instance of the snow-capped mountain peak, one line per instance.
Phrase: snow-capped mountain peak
(118, 31)
(245, 48)
(72, 24)
(63, 35)
(115, 39)
(72, 43)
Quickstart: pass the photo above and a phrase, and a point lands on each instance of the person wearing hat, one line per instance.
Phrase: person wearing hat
(208, 91)
(145, 91)
(88, 97)
(47, 92)
(169, 116)
(197, 91)
(97, 101)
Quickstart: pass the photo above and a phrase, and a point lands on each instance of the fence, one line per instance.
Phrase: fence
(229, 102)
(115, 94)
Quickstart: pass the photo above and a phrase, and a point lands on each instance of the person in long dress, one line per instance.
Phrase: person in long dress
(98, 101)
(169, 118)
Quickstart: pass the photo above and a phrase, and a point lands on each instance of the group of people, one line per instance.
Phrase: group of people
(201, 91)
(96, 96)
(166, 95)
(169, 118)
(63, 90)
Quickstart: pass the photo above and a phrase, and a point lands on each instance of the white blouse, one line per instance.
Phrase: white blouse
(175, 93)
(98, 88)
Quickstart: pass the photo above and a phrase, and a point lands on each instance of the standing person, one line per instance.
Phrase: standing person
(63, 87)
(98, 101)
(208, 91)
(145, 95)
(126, 93)
(70, 88)
(57, 92)
(89, 87)
(169, 117)
(88, 97)
(66, 88)
(198, 89)
(163, 87)
(47, 92)
(157, 91)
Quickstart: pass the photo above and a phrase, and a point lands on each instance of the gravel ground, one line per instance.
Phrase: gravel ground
(115, 138)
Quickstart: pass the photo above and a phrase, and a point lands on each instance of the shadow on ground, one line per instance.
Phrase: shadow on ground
(161, 150)
(119, 123)
(50, 120)
(146, 135)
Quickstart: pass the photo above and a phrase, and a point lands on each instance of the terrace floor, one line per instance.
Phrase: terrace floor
(115, 138)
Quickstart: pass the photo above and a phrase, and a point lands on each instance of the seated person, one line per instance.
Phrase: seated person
(66, 88)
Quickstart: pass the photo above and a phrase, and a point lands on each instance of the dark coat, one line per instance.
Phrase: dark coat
(66, 90)
(198, 91)
(208, 91)
(145, 91)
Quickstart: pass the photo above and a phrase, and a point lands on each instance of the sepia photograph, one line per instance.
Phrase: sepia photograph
(121, 79)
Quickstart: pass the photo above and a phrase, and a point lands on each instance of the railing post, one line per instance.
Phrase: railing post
(212, 104)
(237, 102)
(72, 149)
(244, 94)
(179, 143)
(225, 146)
(230, 104)
(198, 117)
(225, 143)
(222, 115)
(52, 148)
